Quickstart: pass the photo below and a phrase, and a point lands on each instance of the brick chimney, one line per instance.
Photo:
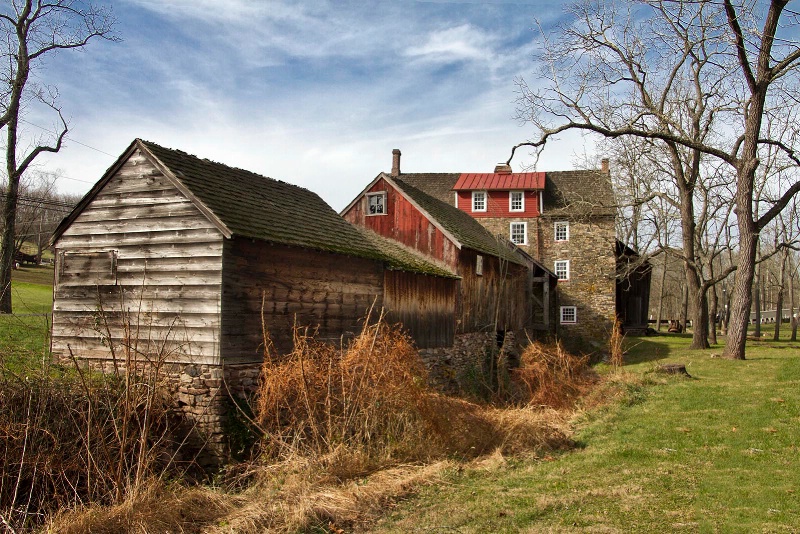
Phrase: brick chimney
(396, 162)
(604, 165)
(502, 168)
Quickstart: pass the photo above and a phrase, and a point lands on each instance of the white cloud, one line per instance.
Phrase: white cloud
(461, 43)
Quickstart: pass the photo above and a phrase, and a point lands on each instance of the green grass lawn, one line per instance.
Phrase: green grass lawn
(717, 452)
(24, 336)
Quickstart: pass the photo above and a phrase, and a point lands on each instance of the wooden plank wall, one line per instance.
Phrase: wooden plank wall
(501, 294)
(328, 292)
(404, 223)
(425, 305)
(168, 267)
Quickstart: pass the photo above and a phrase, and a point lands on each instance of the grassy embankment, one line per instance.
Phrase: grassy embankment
(718, 452)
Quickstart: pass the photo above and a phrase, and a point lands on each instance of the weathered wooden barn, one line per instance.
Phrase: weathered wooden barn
(633, 290)
(494, 288)
(186, 259)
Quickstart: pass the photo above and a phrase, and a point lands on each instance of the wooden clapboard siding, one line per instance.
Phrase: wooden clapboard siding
(167, 271)
(404, 223)
(425, 305)
(329, 293)
(496, 299)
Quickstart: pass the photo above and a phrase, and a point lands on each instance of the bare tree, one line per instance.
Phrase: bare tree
(699, 77)
(32, 30)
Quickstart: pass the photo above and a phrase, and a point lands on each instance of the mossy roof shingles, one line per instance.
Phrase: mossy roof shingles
(469, 232)
(257, 207)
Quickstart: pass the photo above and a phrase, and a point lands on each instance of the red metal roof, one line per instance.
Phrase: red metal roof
(499, 181)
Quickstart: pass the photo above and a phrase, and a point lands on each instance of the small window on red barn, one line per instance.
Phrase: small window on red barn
(479, 201)
(376, 203)
(516, 201)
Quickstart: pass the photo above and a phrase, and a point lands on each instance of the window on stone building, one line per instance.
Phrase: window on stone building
(376, 203)
(561, 269)
(562, 231)
(516, 201)
(518, 233)
(569, 315)
(479, 201)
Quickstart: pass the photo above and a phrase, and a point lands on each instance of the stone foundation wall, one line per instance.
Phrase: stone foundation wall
(448, 368)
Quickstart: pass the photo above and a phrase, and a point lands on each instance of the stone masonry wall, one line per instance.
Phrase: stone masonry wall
(448, 368)
(591, 287)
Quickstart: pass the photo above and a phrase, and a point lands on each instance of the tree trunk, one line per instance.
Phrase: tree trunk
(742, 293)
(712, 317)
(757, 301)
(684, 307)
(779, 299)
(661, 293)
(7, 254)
(792, 317)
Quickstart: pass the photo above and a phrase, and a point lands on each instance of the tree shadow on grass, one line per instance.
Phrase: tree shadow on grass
(649, 349)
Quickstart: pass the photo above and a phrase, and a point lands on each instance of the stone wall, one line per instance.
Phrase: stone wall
(450, 368)
(591, 287)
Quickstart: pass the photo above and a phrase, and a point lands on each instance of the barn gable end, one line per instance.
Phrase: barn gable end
(138, 253)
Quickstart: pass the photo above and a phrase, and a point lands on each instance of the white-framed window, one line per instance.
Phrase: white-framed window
(561, 269)
(569, 315)
(562, 230)
(516, 201)
(479, 265)
(479, 201)
(376, 203)
(518, 233)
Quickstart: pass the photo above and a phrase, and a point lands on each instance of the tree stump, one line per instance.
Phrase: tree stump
(674, 369)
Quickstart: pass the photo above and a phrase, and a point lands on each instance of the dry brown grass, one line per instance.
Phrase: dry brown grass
(346, 431)
(550, 376)
(616, 353)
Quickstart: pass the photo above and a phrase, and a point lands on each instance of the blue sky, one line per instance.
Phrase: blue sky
(313, 93)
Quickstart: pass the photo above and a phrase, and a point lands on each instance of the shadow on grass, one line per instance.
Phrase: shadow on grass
(648, 349)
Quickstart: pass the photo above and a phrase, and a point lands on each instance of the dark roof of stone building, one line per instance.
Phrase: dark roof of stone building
(246, 204)
(587, 192)
(469, 232)
(579, 193)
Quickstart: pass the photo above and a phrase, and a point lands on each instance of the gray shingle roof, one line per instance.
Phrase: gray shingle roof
(257, 207)
(579, 193)
(469, 232)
